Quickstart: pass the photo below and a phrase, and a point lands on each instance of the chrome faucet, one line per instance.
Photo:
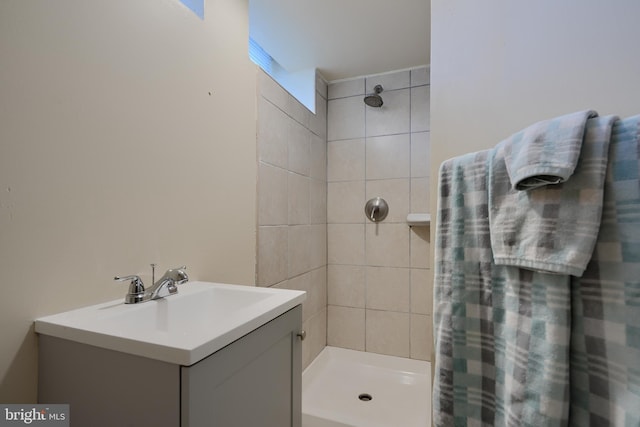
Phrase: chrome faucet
(165, 286)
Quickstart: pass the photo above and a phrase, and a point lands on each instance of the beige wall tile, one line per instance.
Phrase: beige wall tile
(421, 337)
(346, 88)
(421, 293)
(346, 285)
(297, 111)
(387, 245)
(388, 333)
(317, 201)
(420, 245)
(318, 245)
(345, 244)
(273, 248)
(316, 340)
(294, 194)
(299, 250)
(299, 140)
(420, 148)
(391, 273)
(314, 284)
(318, 290)
(345, 160)
(345, 118)
(345, 202)
(420, 100)
(388, 157)
(318, 164)
(388, 288)
(273, 126)
(346, 327)
(420, 195)
(303, 283)
(272, 195)
(298, 200)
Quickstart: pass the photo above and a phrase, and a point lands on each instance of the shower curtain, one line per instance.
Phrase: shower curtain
(537, 281)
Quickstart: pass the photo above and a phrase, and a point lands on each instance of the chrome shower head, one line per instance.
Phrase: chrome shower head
(374, 100)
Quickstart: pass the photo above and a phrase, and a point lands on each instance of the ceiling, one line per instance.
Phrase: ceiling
(343, 38)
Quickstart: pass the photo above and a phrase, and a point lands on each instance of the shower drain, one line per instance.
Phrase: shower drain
(365, 397)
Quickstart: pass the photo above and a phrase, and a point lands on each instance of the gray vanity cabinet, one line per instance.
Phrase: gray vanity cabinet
(254, 381)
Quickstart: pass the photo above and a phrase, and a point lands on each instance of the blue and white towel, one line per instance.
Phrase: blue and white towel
(501, 336)
(605, 331)
(520, 347)
(551, 227)
(546, 152)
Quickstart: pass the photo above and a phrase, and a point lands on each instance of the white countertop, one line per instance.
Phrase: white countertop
(183, 328)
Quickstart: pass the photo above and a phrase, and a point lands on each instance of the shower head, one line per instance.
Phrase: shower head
(374, 100)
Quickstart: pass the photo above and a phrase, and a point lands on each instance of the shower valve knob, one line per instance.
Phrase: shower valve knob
(376, 209)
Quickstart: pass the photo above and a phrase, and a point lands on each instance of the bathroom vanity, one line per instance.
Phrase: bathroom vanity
(251, 376)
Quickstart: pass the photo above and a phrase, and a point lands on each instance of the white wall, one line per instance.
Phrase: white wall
(499, 66)
(127, 136)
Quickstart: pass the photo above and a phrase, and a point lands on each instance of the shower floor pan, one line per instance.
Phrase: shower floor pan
(347, 388)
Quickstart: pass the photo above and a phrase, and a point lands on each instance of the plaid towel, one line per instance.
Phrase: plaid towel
(605, 332)
(501, 333)
(551, 228)
(546, 152)
(517, 347)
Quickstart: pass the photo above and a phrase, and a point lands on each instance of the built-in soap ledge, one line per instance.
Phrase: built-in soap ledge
(418, 219)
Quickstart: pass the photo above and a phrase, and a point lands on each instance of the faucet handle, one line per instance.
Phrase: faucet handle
(178, 274)
(136, 288)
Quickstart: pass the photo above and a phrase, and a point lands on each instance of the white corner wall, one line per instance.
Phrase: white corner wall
(127, 136)
(499, 66)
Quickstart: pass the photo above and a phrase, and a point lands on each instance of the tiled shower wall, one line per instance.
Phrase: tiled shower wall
(292, 202)
(378, 275)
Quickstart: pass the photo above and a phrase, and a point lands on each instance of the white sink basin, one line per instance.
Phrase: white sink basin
(183, 328)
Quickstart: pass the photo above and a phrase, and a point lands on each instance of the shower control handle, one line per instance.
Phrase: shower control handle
(376, 209)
